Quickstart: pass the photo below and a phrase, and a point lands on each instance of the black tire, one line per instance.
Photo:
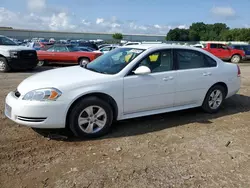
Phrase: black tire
(83, 61)
(235, 59)
(40, 63)
(4, 66)
(205, 106)
(77, 110)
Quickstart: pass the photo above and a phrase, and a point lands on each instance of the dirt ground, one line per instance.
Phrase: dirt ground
(180, 149)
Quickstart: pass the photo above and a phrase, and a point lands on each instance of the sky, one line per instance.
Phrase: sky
(126, 16)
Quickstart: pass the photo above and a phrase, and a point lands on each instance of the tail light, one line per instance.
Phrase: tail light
(239, 72)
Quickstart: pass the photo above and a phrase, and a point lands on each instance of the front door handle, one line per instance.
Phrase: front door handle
(168, 78)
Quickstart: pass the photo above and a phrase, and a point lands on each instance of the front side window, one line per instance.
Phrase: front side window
(190, 59)
(213, 46)
(114, 61)
(160, 61)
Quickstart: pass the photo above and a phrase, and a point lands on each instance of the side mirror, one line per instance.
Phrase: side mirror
(142, 70)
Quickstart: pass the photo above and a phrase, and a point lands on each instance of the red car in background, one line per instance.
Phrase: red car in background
(226, 53)
(65, 54)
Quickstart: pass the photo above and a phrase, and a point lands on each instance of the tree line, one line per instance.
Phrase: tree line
(200, 31)
(209, 32)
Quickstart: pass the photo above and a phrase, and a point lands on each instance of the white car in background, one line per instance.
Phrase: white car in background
(107, 49)
(125, 83)
(198, 46)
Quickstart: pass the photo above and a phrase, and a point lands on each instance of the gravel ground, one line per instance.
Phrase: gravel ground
(181, 149)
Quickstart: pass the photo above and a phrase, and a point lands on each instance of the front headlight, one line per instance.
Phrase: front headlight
(48, 94)
(13, 54)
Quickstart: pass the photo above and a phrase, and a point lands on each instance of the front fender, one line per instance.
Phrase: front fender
(114, 90)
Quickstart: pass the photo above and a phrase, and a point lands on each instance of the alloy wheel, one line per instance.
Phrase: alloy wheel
(2, 65)
(215, 99)
(92, 119)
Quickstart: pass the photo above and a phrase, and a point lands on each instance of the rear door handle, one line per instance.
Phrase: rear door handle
(207, 74)
(168, 78)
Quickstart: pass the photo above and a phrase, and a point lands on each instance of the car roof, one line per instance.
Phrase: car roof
(158, 46)
(66, 45)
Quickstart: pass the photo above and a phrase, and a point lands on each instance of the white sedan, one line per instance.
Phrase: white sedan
(128, 82)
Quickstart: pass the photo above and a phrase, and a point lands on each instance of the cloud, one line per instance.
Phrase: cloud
(99, 20)
(183, 27)
(223, 12)
(157, 26)
(62, 20)
(85, 22)
(36, 5)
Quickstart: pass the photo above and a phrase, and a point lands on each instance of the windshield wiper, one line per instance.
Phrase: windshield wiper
(94, 70)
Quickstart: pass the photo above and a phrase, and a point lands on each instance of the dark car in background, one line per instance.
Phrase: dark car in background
(88, 44)
(245, 48)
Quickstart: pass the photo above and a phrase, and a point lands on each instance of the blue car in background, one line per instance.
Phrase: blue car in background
(245, 48)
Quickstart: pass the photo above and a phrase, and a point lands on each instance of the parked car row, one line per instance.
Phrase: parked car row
(16, 57)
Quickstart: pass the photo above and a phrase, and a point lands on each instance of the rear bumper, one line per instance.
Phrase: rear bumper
(16, 63)
(233, 86)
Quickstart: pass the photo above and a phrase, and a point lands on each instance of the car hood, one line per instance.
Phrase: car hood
(63, 79)
(14, 48)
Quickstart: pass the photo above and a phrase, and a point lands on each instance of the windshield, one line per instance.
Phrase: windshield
(114, 61)
(6, 41)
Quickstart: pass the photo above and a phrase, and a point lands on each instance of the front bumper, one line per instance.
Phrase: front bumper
(36, 114)
(22, 64)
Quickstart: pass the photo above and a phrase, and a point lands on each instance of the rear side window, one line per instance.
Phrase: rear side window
(189, 59)
(209, 61)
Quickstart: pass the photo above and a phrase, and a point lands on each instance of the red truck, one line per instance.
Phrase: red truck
(224, 52)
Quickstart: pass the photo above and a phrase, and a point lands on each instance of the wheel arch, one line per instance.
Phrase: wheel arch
(236, 54)
(82, 57)
(223, 84)
(100, 95)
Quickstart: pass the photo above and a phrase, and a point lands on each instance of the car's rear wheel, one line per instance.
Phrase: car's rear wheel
(214, 99)
(91, 117)
(4, 67)
(235, 59)
(83, 61)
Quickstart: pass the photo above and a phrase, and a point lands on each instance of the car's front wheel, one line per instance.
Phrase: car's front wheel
(91, 117)
(214, 99)
(4, 67)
